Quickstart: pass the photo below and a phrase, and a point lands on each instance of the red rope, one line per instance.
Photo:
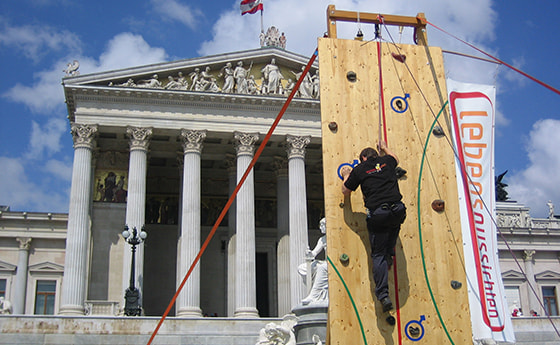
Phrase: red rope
(234, 194)
(495, 58)
(382, 118)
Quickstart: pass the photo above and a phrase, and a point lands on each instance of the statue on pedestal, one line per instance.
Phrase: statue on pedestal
(319, 292)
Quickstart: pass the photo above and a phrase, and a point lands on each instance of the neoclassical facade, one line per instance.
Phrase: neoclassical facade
(162, 148)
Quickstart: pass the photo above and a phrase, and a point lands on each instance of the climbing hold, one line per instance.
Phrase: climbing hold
(341, 205)
(438, 131)
(399, 57)
(344, 258)
(414, 331)
(456, 284)
(438, 205)
(391, 320)
(333, 126)
(351, 76)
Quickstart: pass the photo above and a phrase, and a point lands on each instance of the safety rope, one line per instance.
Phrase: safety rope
(235, 191)
(494, 58)
(420, 227)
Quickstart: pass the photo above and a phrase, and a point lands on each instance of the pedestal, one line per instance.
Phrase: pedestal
(311, 319)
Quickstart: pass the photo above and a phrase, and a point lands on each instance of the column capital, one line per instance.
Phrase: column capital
(83, 135)
(139, 138)
(245, 143)
(24, 242)
(192, 140)
(528, 255)
(296, 145)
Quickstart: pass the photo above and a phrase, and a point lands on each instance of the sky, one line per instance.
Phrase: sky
(39, 37)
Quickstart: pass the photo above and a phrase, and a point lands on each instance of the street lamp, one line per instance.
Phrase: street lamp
(132, 295)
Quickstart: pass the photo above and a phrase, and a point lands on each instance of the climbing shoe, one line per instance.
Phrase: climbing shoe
(387, 304)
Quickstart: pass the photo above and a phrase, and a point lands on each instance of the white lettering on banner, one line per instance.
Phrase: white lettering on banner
(473, 140)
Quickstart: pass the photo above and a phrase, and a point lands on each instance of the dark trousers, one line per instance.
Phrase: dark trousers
(384, 225)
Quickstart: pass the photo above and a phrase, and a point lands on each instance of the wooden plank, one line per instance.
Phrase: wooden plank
(354, 107)
(334, 15)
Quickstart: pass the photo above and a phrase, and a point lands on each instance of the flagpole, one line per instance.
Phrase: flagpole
(262, 26)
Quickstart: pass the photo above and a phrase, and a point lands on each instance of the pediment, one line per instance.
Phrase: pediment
(548, 275)
(512, 275)
(176, 80)
(46, 267)
(6, 267)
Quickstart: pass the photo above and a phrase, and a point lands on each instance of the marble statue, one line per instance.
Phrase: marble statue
(550, 209)
(72, 69)
(5, 306)
(229, 81)
(319, 292)
(306, 86)
(316, 85)
(316, 340)
(152, 83)
(172, 84)
(252, 86)
(241, 74)
(274, 334)
(183, 81)
(282, 41)
(271, 77)
(207, 82)
(128, 83)
(195, 76)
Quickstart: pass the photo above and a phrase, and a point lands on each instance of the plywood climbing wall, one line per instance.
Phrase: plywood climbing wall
(428, 310)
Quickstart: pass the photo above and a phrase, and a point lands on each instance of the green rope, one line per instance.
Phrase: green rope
(420, 226)
(351, 299)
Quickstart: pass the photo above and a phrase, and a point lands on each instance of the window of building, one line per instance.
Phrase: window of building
(550, 300)
(2, 287)
(45, 297)
(513, 300)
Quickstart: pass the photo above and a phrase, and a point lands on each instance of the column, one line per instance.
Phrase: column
(298, 213)
(230, 284)
(20, 287)
(528, 257)
(188, 302)
(77, 237)
(283, 250)
(245, 278)
(139, 140)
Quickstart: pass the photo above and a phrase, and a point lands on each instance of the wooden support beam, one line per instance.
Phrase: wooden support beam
(418, 22)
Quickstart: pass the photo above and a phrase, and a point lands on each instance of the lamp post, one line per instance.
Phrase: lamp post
(132, 295)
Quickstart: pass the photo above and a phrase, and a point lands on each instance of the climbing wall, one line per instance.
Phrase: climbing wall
(428, 309)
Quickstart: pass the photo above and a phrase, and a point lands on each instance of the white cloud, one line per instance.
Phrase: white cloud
(126, 50)
(35, 41)
(539, 182)
(17, 191)
(176, 11)
(46, 139)
(59, 169)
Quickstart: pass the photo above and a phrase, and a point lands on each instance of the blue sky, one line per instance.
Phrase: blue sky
(39, 37)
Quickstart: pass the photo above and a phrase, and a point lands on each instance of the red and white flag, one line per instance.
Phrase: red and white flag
(250, 6)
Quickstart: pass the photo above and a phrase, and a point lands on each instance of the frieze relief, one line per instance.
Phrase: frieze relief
(236, 77)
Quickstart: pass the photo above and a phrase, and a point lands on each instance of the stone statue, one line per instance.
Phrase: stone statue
(128, 83)
(316, 86)
(195, 76)
(207, 82)
(271, 77)
(252, 86)
(306, 86)
(316, 340)
(227, 73)
(5, 306)
(550, 209)
(183, 81)
(241, 74)
(501, 193)
(271, 38)
(282, 41)
(72, 69)
(274, 334)
(152, 83)
(173, 85)
(319, 292)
